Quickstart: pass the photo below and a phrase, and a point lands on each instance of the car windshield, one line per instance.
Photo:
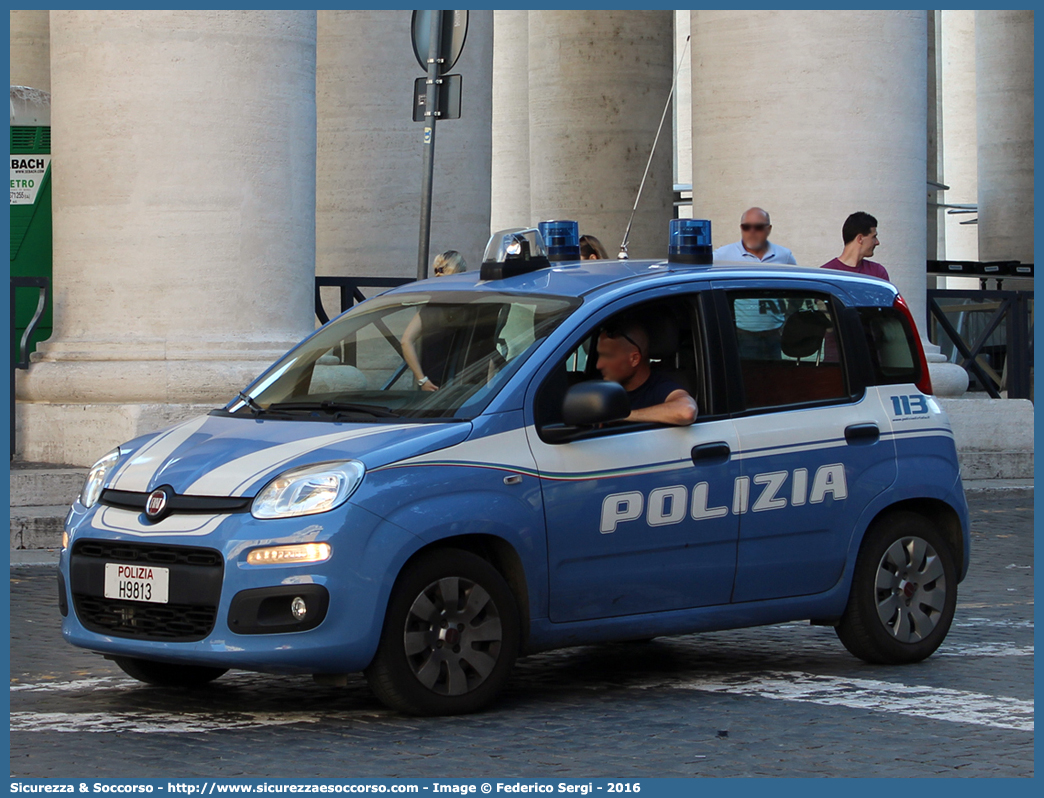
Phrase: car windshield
(436, 355)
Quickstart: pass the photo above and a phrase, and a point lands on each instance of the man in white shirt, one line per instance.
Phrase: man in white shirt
(758, 321)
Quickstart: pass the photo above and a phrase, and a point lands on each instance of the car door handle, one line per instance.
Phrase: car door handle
(862, 433)
(711, 453)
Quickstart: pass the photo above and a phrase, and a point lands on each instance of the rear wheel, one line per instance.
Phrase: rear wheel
(164, 674)
(904, 592)
(450, 637)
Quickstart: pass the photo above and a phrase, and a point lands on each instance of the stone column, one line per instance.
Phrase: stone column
(368, 179)
(936, 243)
(955, 89)
(510, 204)
(682, 105)
(832, 123)
(598, 83)
(184, 238)
(960, 170)
(31, 49)
(1004, 89)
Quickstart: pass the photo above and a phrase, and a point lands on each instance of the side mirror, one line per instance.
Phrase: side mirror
(595, 402)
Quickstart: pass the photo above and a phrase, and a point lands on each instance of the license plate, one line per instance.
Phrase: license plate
(136, 583)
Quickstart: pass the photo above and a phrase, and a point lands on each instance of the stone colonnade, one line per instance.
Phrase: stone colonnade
(578, 97)
(208, 162)
(1004, 88)
(368, 166)
(814, 130)
(184, 202)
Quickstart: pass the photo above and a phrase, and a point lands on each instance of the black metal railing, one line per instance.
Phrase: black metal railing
(350, 292)
(998, 270)
(988, 333)
(21, 359)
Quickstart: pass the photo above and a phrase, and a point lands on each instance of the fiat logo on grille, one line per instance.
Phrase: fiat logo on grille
(156, 503)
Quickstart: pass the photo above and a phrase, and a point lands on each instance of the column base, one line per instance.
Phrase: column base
(105, 377)
(78, 434)
(948, 379)
(994, 436)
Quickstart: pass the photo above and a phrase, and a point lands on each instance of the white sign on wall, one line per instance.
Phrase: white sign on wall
(27, 174)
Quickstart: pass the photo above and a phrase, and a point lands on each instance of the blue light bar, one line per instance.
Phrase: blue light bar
(690, 242)
(562, 238)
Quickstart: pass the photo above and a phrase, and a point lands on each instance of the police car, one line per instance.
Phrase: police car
(337, 517)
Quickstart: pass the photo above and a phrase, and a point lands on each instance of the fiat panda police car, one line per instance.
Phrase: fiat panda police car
(337, 517)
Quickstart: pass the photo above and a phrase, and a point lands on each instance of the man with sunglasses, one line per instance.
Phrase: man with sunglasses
(758, 323)
(754, 244)
(623, 357)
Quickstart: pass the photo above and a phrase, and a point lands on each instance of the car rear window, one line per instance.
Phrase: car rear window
(893, 348)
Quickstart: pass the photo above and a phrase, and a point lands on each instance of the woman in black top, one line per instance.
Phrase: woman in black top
(429, 364)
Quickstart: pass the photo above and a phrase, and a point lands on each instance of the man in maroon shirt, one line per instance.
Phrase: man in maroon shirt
(860, 236)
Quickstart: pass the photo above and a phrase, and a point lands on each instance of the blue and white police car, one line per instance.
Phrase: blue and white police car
(342, 514)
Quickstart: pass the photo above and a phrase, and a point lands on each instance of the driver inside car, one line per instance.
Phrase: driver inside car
(623, 357)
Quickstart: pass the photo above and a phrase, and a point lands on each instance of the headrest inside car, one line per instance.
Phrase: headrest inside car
(663, 332)
(803, 333)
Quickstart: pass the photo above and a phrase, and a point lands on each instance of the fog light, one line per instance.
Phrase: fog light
(287, 555)
(298, 608)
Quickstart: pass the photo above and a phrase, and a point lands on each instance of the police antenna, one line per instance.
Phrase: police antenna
(627, 233)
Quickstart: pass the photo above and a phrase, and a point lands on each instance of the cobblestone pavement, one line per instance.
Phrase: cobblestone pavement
(785, 700)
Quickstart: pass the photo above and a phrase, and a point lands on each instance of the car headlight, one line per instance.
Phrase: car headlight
(308, 490)
(96, 477)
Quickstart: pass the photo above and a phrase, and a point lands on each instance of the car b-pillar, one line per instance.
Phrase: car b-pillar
(184, 219)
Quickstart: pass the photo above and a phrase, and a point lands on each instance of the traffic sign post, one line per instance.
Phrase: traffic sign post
(454, 32)
(431, 101)
(449, 98)
(439, 34)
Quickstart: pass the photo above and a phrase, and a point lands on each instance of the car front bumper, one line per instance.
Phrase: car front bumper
(221, 611)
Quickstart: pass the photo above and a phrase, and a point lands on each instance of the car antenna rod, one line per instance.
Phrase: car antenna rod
(627, 233)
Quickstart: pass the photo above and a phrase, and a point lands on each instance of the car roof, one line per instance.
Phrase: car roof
(583, 278)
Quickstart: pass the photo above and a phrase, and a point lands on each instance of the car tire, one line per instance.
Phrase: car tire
(450, 637)
(165, 674)
(904, 592)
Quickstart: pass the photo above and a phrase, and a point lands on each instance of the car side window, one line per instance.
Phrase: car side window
(789, 350)
(676, 349)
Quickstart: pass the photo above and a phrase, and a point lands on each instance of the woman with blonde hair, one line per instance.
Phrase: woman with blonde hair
(449, 262)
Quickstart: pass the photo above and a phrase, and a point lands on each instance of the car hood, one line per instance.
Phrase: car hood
(228, 456)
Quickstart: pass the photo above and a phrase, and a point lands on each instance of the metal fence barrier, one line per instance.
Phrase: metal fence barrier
(989, 333)
(349, 291)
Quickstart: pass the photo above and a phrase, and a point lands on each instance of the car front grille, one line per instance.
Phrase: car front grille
(194, 590)
(174, 622)
(114, 550)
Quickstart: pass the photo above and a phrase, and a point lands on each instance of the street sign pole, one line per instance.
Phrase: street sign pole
(431, 105)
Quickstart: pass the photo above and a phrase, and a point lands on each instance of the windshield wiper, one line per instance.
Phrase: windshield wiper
(336, 408)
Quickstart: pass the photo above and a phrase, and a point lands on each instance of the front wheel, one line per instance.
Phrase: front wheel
(164, 674)
(904, 592)
(450, 636)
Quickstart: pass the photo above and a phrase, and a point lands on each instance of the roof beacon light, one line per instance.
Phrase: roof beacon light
(562, 238)
(512, 252)
(690, 242)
